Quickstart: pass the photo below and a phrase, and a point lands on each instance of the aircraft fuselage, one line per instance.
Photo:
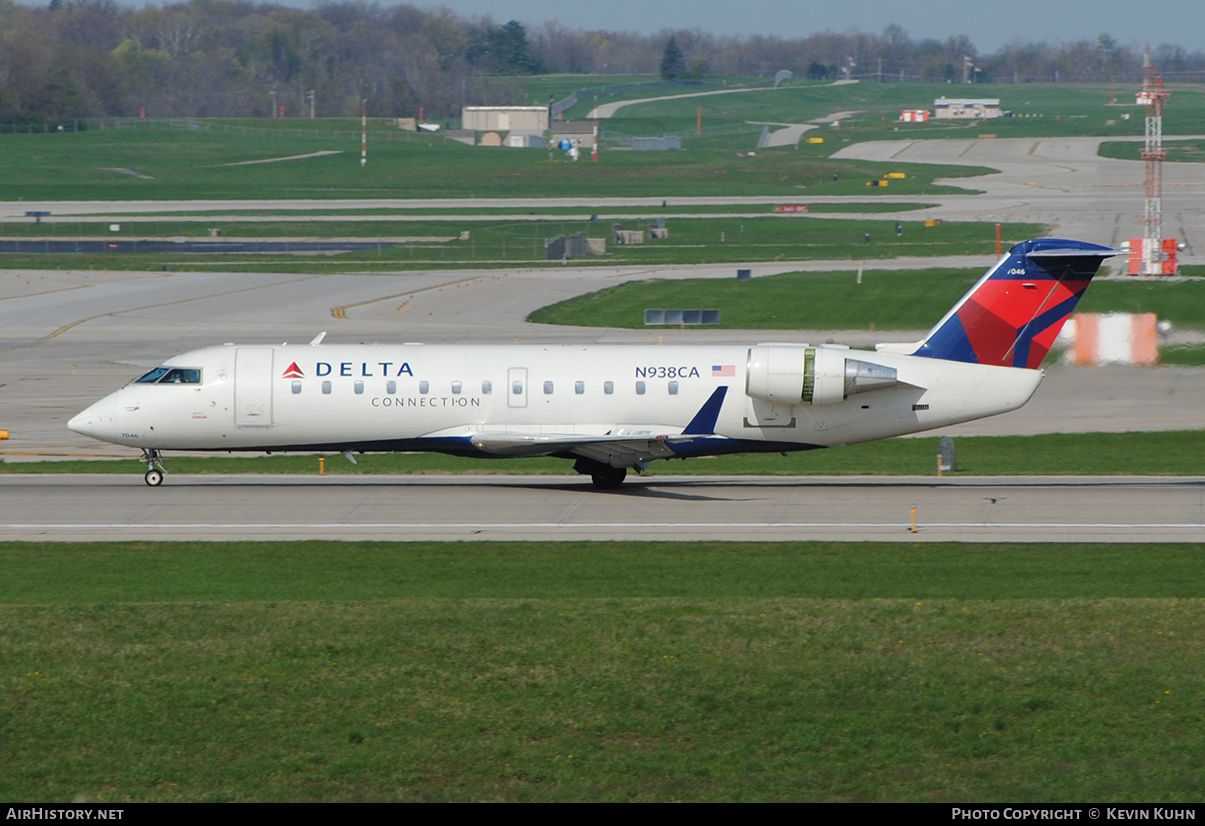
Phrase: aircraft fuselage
(456, 399)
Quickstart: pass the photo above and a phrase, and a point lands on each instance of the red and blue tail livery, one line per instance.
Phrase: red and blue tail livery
(1013, 315)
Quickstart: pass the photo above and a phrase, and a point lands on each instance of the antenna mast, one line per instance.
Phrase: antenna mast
(1152, 260)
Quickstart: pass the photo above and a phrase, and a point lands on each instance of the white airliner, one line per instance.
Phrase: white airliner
(608, 408)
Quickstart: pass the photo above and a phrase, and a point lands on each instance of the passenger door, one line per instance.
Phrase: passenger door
(253, 387)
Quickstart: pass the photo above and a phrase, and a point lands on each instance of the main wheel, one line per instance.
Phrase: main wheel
(153, 477)
(608, 478)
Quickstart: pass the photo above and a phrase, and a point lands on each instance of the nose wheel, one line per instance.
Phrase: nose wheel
(154, 463)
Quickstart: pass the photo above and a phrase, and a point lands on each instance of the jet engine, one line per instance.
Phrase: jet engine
(788, 374)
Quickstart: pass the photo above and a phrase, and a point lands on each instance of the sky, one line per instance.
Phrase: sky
(988, 25)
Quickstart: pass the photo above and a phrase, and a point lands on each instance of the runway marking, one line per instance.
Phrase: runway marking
(79, 287)
(341, 312)
(67, 327)
(565, 525)
(287, 158)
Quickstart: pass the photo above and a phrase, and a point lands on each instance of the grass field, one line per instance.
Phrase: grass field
(192, 159)
(1172, 453)
(888, 300)
(182, 165)
(1184, 151)
(1039, 110)
(610, 671)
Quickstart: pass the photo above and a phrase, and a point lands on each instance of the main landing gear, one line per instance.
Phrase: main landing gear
(154, 463)
(603, 476)
(608, 478)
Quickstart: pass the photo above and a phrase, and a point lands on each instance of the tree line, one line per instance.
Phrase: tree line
(234, 58)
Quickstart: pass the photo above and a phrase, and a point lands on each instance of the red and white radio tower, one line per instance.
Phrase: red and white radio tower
(1152, 255)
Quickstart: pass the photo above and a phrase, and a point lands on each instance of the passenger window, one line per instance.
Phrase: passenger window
(424, 387)
(608, 387)
(455, 388)
(639, 388)
(547, 388)
(391, 387)
(326, 388)
(673, 388)
(296, 387)
(579, 387)
(487, 387)
(517, 388)
(359, 387)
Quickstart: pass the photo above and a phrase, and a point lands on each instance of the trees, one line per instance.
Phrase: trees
(206, 58)
(504, 50)
(673, 61)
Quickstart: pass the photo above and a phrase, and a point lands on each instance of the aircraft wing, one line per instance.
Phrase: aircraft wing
(624, 450)
(628, 446)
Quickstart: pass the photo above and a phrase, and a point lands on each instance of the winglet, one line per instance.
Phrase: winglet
(703, 424)
(1012, 316)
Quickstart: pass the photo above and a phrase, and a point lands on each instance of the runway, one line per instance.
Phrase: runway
(68, 338)
(555, 508)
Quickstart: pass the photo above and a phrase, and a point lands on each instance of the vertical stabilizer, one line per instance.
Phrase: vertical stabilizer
(1013, 315)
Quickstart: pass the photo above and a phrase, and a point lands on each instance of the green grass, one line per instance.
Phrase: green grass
(888, 300)
(192, 165)
(185, 164)
(1183, 356)
(1040, 110)
(42, 574)
(1177, 150)
(1171, 453)
(601, 671)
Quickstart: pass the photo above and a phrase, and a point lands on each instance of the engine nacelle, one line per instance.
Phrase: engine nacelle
(789, 374)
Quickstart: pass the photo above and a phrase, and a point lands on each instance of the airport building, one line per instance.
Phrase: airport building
(966, 109)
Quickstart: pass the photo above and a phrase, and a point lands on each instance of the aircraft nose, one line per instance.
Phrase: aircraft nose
(82, 422)
(97, 420)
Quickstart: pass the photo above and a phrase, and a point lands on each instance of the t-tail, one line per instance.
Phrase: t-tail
(1013, 315)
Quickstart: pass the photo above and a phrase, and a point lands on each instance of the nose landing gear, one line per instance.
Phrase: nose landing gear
(154, 463)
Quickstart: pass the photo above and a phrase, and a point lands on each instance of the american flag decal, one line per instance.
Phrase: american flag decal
(723, 371)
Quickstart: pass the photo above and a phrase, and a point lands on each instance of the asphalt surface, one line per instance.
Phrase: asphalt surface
(540, 508)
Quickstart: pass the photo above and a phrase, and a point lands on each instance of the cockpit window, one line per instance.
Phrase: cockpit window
(153, 376)
(171, 375)
(181, 375)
